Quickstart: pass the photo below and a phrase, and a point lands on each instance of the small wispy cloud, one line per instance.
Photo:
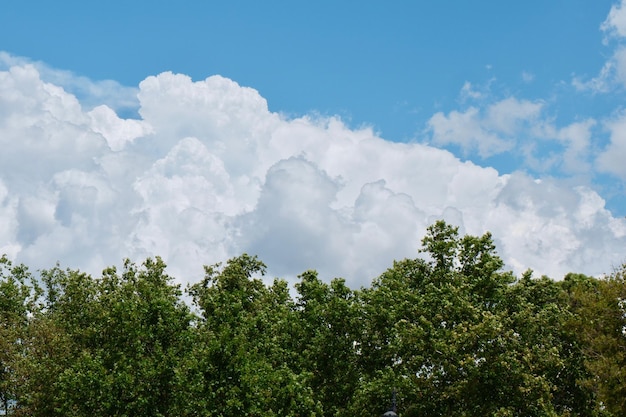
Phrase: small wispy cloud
(528, 77)
(614, 26)
(612, 75)
(468, 91)
(488, 131)
(91, 93)
(612, 158)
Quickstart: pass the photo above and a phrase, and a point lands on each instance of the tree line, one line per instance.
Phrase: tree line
(450, 332)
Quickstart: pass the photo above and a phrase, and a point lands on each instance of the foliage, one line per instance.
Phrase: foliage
(329, 328)
(17, 295)
(449, 332)
(106, 347)
(460, 337)
(244, 351)
(600, 323)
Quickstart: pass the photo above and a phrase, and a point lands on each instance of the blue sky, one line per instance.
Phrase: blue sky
(532, 89)
(381, 64)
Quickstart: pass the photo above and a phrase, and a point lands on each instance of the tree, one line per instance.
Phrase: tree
(110, 346)
(549, 351)
(16, 302)
(455, 335)
(450, 332)
(600, 324)
(328, 318)
(244, 352)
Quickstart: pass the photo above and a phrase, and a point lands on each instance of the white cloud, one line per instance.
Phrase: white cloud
(116, 131)
(545, 223)
(91, 93)
(466, 130)
(612, 158)
(43, 123)
(208, 172)
(575, 140)
(611, 76)
(508, 115)
(8, 222)
(490, 131)
(615, 23)
(519, 126)
(469, 92)
(613, 73)
(528, 77)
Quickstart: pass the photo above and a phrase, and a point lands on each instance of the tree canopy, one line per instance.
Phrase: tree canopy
(450, 332)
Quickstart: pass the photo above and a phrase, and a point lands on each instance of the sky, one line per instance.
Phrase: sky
(323, 135)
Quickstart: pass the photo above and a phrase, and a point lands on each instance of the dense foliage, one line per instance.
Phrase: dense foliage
(450, 332)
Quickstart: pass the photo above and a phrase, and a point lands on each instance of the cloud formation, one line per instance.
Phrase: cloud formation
(615, 23)
(612, 158)
(512, 125)
(208, 172)
(91, 93)
(612, 75)
(490, 131)
(611, 79)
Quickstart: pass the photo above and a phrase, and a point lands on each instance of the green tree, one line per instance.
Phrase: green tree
(455, 335)
(17, 296)
(450, 332)
(245, 346)
(110, 346)
(600, 323)
(548, 355)
(328, 317)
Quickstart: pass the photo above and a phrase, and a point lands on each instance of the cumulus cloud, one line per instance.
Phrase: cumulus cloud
(207, 172)
(553, 226)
